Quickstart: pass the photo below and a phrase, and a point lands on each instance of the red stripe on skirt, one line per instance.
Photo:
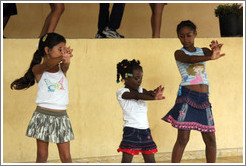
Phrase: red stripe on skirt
(136, 152)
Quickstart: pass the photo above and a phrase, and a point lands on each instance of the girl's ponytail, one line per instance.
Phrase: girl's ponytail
(28, 79)
(48, 40)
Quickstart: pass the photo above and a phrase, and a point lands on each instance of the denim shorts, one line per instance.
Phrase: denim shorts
(137, 140)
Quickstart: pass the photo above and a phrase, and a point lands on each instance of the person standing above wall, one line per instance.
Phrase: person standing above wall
(9, 9)
(53, 18)
(156, 18)
(107, 25)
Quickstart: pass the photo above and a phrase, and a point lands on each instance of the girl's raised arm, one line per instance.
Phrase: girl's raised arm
(46, 65)
(209, 55)
(182, 57)
(66, 59)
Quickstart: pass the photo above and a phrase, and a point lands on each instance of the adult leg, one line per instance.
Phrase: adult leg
(126, 158)
(149, 158)
(52, 19)
(64, 152)
(181, 142)
(46, 24)
(103, 17)
(152, 7)
(116, 16)
(57, 10)
(42, 151)
(156, 18)
(210, 142)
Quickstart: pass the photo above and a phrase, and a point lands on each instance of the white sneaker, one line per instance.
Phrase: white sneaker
(112, 33)
(100, 36)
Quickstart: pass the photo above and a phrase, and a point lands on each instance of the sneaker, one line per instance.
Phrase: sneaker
(112, 33)
(100, 36)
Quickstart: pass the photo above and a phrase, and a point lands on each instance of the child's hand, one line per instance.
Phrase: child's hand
(67, 54)
(156, 90)
(213, 44)
(69, 51)
(216, 48)
(159, 93)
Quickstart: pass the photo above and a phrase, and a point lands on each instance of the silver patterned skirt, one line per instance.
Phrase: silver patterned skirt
(50, 126)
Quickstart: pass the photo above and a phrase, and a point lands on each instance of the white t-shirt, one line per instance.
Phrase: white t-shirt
(53, 91)
(134, 111)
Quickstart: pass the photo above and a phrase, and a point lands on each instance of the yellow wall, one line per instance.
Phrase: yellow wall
(95, 114)
(79, 20)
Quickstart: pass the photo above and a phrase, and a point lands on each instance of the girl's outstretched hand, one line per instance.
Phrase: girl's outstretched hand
(67, 54)
(216, 48)
(214, 43)
(159, 93)
(155, 90)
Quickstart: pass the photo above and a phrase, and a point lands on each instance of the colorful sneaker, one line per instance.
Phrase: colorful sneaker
(100, 36)
(112, 33)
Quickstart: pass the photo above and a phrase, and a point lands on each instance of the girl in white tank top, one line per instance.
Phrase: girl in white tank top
(50, 122)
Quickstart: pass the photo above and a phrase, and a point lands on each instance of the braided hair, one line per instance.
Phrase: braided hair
(124, 67)
(48, 40)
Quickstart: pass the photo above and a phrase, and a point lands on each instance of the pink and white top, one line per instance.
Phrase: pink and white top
(193, 74)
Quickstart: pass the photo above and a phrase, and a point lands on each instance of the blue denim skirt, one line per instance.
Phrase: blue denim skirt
(192, 111)
(137, 140)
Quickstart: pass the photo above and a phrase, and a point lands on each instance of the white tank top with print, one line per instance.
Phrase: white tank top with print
(53, 91)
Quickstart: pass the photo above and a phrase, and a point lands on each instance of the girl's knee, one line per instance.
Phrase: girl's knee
(126, 158)
(66, 158)
(183, 138)
(150, 158)
(42, 157)
(209, 140)
(182, 141)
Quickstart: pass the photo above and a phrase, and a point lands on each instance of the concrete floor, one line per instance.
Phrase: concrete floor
(235, 159)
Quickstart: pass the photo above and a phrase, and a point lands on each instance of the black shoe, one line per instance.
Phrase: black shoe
(112, 33)
(4, 37)
(100, 36)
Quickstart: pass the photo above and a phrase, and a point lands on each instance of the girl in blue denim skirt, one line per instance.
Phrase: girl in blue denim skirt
(137, 136)
(192, 110)
(50, 122)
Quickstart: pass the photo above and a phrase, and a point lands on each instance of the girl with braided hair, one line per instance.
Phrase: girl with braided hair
(137, 136)
(50, 122)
